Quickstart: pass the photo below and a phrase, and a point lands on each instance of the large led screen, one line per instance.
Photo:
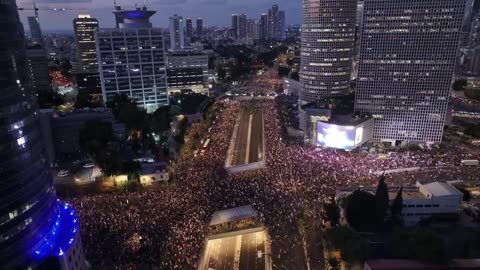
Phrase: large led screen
(339, 137)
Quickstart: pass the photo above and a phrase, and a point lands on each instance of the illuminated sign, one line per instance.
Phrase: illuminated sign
(335, 136)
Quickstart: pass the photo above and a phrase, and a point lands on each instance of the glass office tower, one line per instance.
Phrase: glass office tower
(36, 229)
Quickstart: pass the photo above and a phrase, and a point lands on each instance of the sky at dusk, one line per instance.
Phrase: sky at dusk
(213, 12)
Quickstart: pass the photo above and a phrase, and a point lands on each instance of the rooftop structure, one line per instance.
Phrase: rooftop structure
(423, 201)
(232, 214)
(137, 18)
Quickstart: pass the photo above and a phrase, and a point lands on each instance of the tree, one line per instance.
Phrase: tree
(49, 99)
(360, 210)
(116, 103)
(295, 76)
(334, 263)
(95, 132)
(283, 71)
(222, 73)
(473, 130)
(459, 85)
(418, 244)
(65, 68)
(467, 196)
(397, 207)
(132, 169)
(381, 199)
(472, 92)
(160, 120)
(332, 212)
(83, 100)
(352, 247)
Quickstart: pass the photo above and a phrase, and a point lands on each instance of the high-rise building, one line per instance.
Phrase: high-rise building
(242, 26)
(84, 28)
(252, 29)
(327, 48)
(234, 27)
(188, 30)
(293, 31)
(273, 22)
(263, 27)
(37, 231)
(131, 60)
(177, 38)
(281, 25)
(187, 70)
(37, 58)
(407, 60)
(199, 27)
(35, 30)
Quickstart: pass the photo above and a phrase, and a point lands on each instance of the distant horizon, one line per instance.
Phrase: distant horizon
(213, 12)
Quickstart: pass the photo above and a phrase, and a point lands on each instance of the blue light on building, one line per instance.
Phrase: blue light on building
(61, 236)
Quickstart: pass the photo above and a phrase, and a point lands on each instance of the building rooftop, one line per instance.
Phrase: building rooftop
(232, 214)
(438, 189)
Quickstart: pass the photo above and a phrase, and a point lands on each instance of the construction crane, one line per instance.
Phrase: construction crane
(36, 9)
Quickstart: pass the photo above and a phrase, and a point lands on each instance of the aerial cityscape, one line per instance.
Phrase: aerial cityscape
(262, 135)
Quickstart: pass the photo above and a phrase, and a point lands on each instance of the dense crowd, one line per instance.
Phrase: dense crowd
(165, 228)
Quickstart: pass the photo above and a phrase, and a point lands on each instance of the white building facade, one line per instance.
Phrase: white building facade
(132, 62)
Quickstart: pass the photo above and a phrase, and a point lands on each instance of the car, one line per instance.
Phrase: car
(62, 173)
(76, 162)
(88, 165)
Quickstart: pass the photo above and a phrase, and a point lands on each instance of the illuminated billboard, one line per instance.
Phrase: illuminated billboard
(336, 136)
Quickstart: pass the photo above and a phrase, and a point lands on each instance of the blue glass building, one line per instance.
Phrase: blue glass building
(37, 231)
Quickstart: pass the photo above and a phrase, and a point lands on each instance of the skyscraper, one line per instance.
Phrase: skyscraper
(36, 229)
(131, 60)
(407, 59)
(263, 27)
(252, 29)
(273, 22)
(177, 38)
(242, 26)
(327, 48)
(188, 30)
(84, 28)
(199, 27)
(234, 28)
(35, 30)
(37, 58)
(281, 25)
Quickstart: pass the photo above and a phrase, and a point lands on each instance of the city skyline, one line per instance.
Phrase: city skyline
(209, 10)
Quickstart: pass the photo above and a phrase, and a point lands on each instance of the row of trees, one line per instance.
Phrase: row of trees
(420, 244)
(97, 140)
(368, 212)
(371, 212)
(470, 92)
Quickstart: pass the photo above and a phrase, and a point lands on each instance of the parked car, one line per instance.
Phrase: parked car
(88, 165)
(62, 173)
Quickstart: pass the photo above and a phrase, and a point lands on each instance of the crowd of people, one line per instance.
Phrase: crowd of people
(165, 228)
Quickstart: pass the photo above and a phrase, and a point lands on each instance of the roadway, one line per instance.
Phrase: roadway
(248, 144)
(237, 252)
